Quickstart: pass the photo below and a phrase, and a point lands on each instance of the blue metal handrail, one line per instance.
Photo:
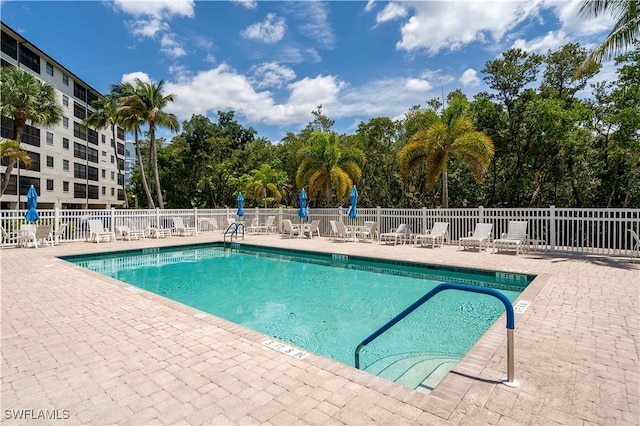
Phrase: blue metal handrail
(454, 286)
(235, 226)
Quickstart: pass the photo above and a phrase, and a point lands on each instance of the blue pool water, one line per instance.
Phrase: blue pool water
(319, 302)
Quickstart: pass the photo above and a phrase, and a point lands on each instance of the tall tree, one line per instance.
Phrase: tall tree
(625, 32)
(148, 102)
(266, 184)
(452, 135)
(328, 167)
(105, 115)
(25, 98)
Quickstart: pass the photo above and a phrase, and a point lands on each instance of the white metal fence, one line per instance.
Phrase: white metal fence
(596, 230)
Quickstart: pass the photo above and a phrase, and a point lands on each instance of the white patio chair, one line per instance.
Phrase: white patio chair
(308, 230)
(635, 245)
(481, 236)
(436, 234)
(516, 237)
(180, 228)
(401, 234)
(97, 232)
(289, 230)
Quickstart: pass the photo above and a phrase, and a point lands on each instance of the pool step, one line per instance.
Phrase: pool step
(421, 372)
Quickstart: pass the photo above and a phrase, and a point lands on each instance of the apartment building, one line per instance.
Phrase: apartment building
(72, 166)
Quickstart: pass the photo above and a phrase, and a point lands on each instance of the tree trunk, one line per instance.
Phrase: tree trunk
(154, 163)
(145, 185)
(115, 151)
(445, 189)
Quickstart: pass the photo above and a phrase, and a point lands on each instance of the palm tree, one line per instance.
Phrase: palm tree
(14, 152)
(328, 167)
(265, 181)
(105, 115)
(625, 31)
(449, 135)
(25, 98)
(147, 102)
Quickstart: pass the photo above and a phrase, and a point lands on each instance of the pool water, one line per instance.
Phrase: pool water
(322, 303)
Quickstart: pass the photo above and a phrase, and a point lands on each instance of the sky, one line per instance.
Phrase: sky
(274, 62)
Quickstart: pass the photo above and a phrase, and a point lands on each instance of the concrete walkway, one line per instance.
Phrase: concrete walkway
(79, 348)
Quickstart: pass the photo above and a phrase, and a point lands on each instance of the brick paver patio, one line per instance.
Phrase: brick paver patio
(78, 348)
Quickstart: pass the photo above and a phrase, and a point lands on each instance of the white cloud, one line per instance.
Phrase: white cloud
(210, 58)
(313, 18)
(550, 41)
(156, 8)
(437, 26)
(573, 22)
(369, 6)
(171, 47)
(131, 77)
(271, 74)
(248, 4)
(271, 30)
(417, 85)
(147, 27)
(470, 78)
(390, 12)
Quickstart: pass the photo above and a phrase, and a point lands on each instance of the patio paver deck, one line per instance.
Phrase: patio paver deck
(78, 348)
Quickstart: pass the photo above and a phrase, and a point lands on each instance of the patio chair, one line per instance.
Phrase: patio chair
(516, 237)
(314, 226)
(439, 233)
(253, 227)
(635, 245)
(97, 232)
(36, 234)
(180, 228)
(26, 234)
(290, 230)
(128, 233)
(7, 237)
(210, 224)
(268, 226)
(402, 233)
(480, 237)
(369, 230)
(62, 227)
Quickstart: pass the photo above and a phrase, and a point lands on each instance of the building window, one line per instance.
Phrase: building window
(79, 131)
(49, 161)
(65, 186)
(65, 81)
(49, 184)
(104, 139)
(113, 175)
(65, 122)
(49, 138)
(113, 192)
(50, 69)
(79, 111)
(104, 190)
(9, 45)
(113, 159)
(65, 100)
(65, 165)
(104, 174)
(65, 143)
(29, 59)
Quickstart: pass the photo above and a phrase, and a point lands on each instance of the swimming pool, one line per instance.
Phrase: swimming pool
(324, 303)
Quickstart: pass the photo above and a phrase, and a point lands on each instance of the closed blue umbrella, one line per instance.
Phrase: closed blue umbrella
(302, 213)
(240, 205)
(32, 203)
(352, 212)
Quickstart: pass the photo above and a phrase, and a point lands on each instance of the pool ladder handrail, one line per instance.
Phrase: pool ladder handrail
(510, 380)
(235, 226)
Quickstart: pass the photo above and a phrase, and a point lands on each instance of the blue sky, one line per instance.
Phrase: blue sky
(273, 62)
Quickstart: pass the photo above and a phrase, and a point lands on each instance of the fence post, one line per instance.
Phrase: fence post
(112, 222)
(195, 218)
(158, 224)
(424, 221)
(279, 220)
(552, 227)
(480, 214)
(56, 219)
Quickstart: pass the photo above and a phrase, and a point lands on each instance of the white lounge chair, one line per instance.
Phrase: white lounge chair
(253, 227)
(26, 234)
(635, 245)
(62, 227)
(128, 233)
(308, 230)
(97, 232)
(369, 230)
(402, 234)
(180, 228)
(36, 234)
(267, 227)
(515, 237)
(208, 224)
(290, 230)
(438, 233)
(480, 237)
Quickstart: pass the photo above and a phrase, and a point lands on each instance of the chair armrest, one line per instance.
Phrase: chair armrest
(503, 235)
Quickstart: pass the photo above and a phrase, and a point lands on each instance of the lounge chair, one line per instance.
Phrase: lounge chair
(253, 227)
(180, 228)
(369, 230)
(128, 233)
(635, 245)
(7, 237)
(480, 237)
(62, 227)
(402, 233)
(438, 233)
(314, 226)
(516, 237)
(267, 227)
(210, 224)
(36, 234)
(290, 230)
(98, 232)
(26, 234)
